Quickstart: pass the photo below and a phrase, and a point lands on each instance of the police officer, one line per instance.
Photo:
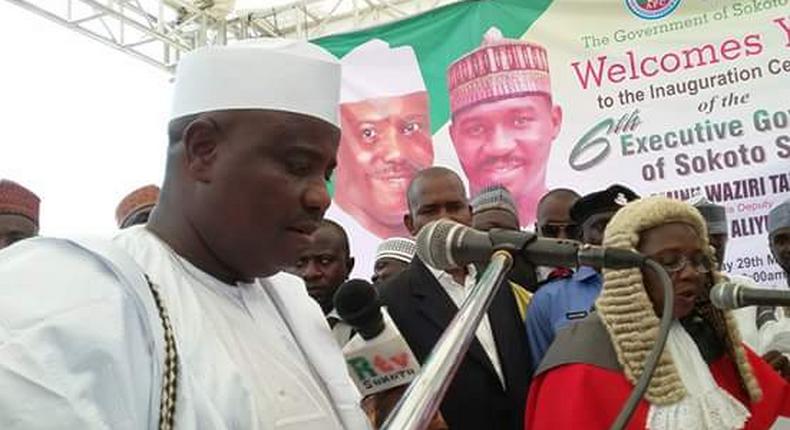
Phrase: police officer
(572, 297)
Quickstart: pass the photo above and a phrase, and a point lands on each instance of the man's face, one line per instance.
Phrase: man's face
(386, 268)
(494, 218)
(14, 228)
(506, 142)
(554, 219)
(719, 243)
(780, 247)
(385, 142)
(438, 197)
(324, 266)
(594, 226)
(260, 189)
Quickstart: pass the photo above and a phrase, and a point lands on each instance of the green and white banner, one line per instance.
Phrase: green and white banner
(675, 97)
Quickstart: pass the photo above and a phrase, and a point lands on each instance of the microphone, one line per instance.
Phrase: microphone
(732, 295)
(446, 244)
(379, 359)
(357, 303)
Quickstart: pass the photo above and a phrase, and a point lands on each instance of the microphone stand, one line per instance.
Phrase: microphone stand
(421, 400)
(655, 353)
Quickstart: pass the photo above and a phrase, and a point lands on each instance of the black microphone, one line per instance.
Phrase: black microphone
(446, 244)
(732, 295)
(357, 303)
(379, 359)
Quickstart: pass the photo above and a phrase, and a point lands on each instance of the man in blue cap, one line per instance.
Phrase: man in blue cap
(571, 298)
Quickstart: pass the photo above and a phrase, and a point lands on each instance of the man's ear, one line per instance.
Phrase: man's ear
(200, 139)
(350, 266)
(556, 120)
(409, 223)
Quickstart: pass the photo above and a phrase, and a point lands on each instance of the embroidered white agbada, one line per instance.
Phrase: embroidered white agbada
(73, 353)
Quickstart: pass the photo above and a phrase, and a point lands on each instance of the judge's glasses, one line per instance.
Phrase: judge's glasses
(675, 263)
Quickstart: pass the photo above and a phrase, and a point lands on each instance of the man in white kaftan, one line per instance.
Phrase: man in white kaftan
(81, 342)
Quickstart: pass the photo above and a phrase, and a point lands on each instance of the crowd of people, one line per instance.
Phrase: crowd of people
(213, 305)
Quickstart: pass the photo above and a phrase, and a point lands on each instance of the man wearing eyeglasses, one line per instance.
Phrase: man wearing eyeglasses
(554, 221)
(571, 298)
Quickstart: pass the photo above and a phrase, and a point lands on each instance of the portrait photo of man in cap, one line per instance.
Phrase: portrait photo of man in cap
(385, 140)
(503, 118)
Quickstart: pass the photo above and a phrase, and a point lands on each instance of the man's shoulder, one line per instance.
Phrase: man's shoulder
(551, 288)
(57, 261)
(586, 341)
(45, 279)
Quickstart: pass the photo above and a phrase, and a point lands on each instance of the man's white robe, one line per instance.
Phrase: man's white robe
(76, 348)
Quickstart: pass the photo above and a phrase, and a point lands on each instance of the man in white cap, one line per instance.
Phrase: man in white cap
(386, 140)
(392, 257)
(503, 118)
(186, 322)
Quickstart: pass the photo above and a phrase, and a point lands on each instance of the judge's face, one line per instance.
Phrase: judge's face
(678, 248)
(324, 265)
(437, 197)
(259, 186)
(507, 142)
(385, 142)
(14, 228)
(780, 247)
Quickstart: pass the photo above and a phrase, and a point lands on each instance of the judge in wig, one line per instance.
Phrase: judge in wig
(187, 322)
(705, 379)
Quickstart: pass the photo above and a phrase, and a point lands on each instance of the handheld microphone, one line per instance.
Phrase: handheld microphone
(732, 295)
(446, 244)
(357, 303)
(379, 359)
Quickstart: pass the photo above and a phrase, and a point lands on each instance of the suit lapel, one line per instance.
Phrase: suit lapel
(436, 306)
(432, 301)
(510, 338)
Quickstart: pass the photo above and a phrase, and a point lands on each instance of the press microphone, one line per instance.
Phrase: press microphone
(378, 357)
(446, 244)
(357, 303)
(732, 295)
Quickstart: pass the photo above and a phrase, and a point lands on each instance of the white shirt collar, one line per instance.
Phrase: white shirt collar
(471, 271)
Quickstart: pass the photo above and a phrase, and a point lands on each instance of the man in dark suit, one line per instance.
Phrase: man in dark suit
(489, 389)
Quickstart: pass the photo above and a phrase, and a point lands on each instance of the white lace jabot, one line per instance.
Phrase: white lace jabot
(706, 405)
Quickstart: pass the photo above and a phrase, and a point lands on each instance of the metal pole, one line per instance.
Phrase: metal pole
(418, 405)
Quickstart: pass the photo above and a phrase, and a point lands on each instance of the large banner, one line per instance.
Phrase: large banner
(674, 97)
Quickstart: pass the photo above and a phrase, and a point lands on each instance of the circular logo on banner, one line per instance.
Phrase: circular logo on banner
(652, 9)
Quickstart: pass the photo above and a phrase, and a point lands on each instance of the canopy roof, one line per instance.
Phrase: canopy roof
(158, 31)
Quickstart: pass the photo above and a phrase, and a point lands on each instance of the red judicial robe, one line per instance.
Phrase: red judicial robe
(580, 395)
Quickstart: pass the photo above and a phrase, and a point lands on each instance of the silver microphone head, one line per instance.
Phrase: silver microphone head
(724, 295)
(435, 242)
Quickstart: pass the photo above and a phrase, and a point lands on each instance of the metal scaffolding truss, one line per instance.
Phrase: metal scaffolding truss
(159, 31)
